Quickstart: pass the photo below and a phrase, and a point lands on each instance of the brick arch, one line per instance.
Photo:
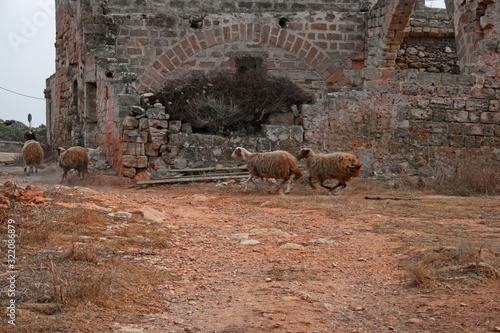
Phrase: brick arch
(175, 56)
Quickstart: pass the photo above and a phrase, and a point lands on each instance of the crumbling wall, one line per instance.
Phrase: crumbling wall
(111, 52)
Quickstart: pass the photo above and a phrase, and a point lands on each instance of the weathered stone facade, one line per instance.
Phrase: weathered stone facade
(371, 97)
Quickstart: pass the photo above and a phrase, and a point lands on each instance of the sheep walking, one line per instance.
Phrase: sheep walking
(73, 158)
(340, 166)
(32, 155)
(276, 164)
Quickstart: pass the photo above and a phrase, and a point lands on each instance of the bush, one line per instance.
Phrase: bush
(8, 133)
(223, 101)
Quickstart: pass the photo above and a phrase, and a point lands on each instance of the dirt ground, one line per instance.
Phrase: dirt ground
(207, 257)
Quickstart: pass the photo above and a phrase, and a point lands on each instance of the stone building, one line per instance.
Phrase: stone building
(394, 81)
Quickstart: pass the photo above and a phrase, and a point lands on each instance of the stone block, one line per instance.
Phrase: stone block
(459, 116)
(421, 114)
(128, 172)
(157, 137)
(175, 126)
(277, 133)
(158, 123)
(133, 148)
(477, 104)
(133, 161)
(129, 123)
(151, 150)
(156, 113)
(135, 136)
(128, 99)
(281, 119)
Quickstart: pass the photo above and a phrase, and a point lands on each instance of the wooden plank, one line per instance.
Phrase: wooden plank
(390, 198)
(209, 169)
(189, 179)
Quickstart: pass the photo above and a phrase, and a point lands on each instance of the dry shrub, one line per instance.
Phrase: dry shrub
(469, 175)
(146, 235)
(467, 263)
(84, 254)
(223, 101)
(61, 281)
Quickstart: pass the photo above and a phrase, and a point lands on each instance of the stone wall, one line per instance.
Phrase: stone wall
(405, 118)
(390, 110)
(152, 141)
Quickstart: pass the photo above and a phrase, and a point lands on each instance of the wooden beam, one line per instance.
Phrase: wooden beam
(190, 179)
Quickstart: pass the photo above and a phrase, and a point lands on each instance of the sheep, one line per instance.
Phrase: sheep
(73, 158)
(275, 164)
(32, 155)
(340, 166)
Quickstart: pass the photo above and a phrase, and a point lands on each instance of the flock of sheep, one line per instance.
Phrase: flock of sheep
(72, 158)
(281, 164)
(276, 164)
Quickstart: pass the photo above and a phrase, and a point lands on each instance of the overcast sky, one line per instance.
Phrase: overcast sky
(27, 56)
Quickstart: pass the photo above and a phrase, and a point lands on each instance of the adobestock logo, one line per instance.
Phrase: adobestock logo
(30, 27)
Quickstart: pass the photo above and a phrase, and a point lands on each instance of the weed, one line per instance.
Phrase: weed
(223, 101)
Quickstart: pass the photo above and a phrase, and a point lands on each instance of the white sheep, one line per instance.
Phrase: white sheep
(73, 158)
(32, 155)
(275, 164)
(340, 166)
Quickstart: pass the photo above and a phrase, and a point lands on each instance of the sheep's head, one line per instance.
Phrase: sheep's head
(305, 153)
(238, 152)
(60, 150)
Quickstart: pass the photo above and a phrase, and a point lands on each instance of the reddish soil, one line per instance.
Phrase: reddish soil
(258, 262)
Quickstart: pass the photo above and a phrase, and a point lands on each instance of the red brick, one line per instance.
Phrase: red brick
(243, 34)
(312, 53)
(318, 26)
(287, 65)
(210, 38)
(282, 38)
(156, 65)
(358, 64)
(297, 45)
(227, 34)
(194, 42)
(164, 60)
(207, 64)
(191, 63)
(250, 31)
(264, 37)
(324, 65)
(335, 77)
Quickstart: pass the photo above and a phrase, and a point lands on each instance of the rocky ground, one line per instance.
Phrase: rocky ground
(104, 255)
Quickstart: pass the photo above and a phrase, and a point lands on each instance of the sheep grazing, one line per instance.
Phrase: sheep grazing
(340, 166)
(275, 164)
(73, 158)
(32, 155)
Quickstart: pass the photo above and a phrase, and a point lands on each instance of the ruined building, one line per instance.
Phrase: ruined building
(395, 82)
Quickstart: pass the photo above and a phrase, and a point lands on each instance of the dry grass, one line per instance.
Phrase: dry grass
(68, 272)
(469, 263)
(469, 175)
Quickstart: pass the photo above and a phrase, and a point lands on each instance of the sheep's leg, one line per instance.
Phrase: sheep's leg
(289, 186)
(340, 184)
(248, 181)
(266, 184)
(25, 167)
(311, 183)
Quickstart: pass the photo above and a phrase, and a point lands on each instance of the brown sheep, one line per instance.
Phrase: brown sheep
(73, 158)
(275, 164)
(32, 155)
(340, 166)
